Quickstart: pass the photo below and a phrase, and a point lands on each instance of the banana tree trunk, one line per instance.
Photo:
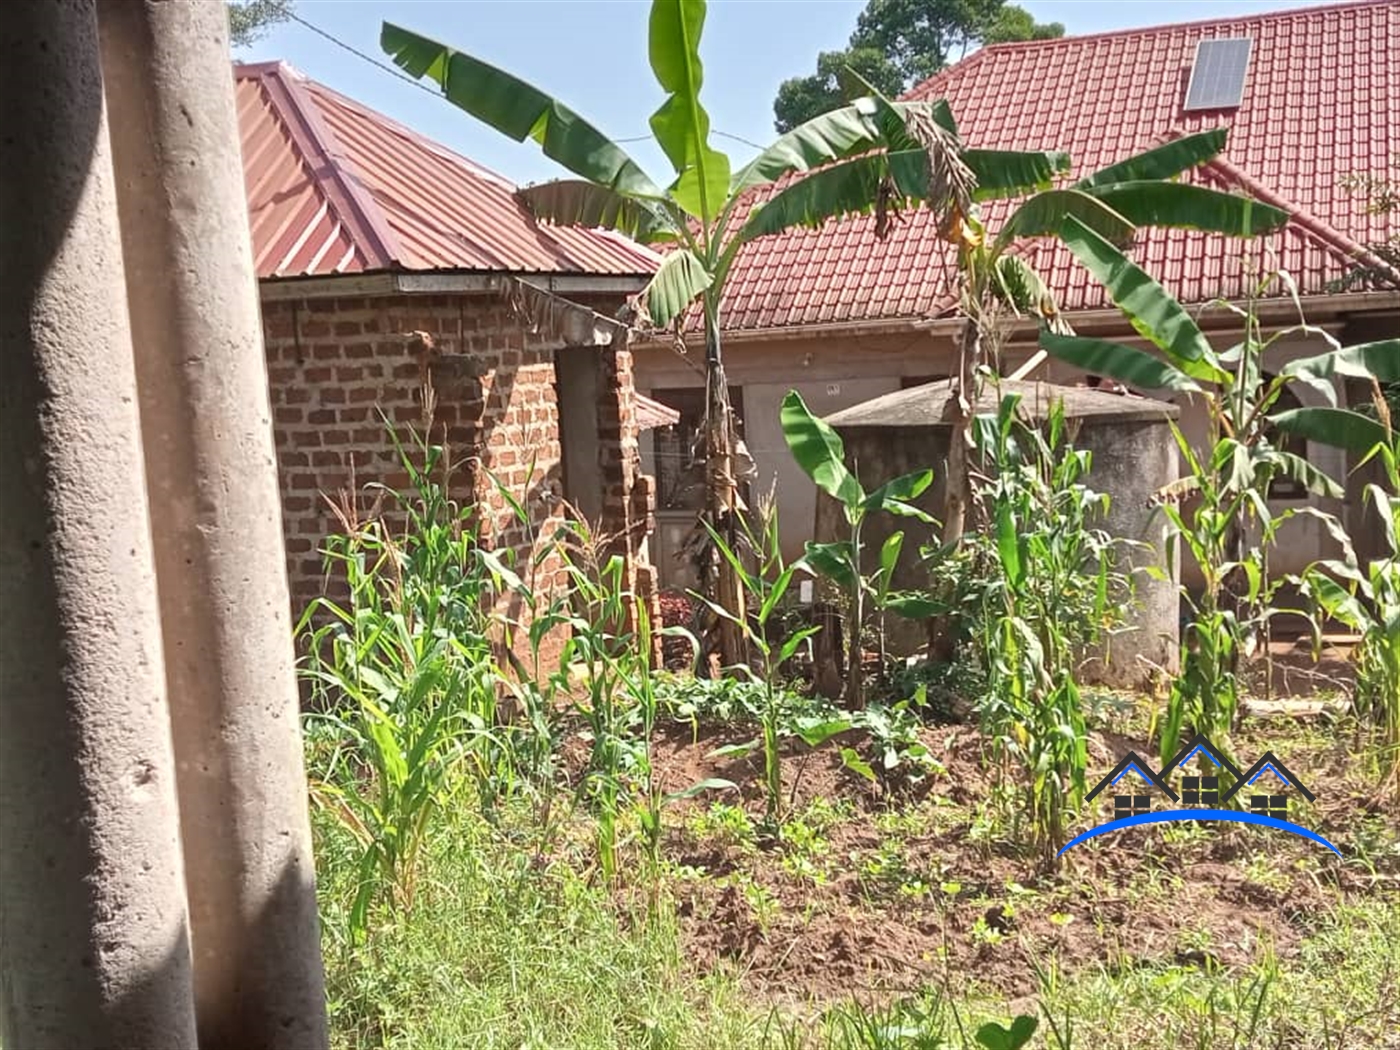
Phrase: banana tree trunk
(722, 490)
(957, 487)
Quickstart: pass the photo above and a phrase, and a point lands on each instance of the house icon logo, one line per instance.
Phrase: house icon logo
(1259, 795)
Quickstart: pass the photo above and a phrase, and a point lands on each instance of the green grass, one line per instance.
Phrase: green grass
(507, 949)
(513, 947)
(1343, 990)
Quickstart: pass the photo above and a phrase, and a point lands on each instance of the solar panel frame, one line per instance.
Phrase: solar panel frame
(1218, 73)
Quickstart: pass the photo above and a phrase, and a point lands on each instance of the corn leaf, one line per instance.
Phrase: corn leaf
(1009, 546)
(793, 644)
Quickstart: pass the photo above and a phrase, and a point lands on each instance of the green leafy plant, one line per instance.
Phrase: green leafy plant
(1046, 587)
(652, 801)
(765, 584)
(1227, 481)
(1364, 597)
(897, 756)
(723, 701)
(821, 454)
(996, 284)
(698, 216)
(402, 676)
(603, 647)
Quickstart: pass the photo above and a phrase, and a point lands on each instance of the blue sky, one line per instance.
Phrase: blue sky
(592, 55)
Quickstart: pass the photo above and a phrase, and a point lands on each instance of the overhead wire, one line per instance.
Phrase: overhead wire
(400, 75)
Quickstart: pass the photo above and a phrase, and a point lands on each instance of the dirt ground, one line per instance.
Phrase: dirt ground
(877, 892)
(901, 889)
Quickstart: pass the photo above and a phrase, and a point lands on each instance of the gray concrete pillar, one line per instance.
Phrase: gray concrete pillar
(94, 948)
(217, 526)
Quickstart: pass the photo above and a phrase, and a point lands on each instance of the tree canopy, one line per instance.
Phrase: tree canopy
(898, 43)
(248, 20)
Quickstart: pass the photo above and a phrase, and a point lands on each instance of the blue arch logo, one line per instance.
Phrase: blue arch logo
(1202, 797)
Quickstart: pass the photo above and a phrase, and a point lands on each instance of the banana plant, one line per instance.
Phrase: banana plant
(821, 454)
(865, 157)
(996, 283)
(1229, 478)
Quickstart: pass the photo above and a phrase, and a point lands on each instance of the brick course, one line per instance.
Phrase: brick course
(334, 365)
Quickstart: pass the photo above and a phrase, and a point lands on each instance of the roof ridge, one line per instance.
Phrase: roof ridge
(1109, 34)
(400, 128)
(1199, 740)
(334, 174)
(476, 168)
(1298, 215)
(1133, 759)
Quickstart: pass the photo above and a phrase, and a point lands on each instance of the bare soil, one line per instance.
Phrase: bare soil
(914, 888)
(922, 884)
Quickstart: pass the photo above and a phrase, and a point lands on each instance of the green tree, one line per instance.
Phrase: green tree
(248, 20)
(697, 216)
(898, 43)
(802, 98)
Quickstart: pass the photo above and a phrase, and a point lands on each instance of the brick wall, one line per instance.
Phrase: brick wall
(335, 364)
(629, 496)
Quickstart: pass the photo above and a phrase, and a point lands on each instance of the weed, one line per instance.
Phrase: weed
(728, 823)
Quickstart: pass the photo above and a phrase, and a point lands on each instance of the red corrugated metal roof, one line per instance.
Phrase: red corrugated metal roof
(652, 414)
(1321, 102)
(334, 187)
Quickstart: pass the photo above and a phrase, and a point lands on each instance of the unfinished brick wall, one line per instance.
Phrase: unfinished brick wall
(335, 364)
(629, 496)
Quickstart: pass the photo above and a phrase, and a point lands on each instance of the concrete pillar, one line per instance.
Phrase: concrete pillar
(217, 528)
(94, 947)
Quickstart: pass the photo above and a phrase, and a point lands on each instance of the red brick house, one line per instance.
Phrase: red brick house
(386, 260)
(843, 318)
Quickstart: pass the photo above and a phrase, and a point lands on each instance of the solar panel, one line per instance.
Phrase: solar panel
(1217, 78)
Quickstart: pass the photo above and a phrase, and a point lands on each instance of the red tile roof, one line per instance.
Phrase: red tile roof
(1321, 102)
(334, 187)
